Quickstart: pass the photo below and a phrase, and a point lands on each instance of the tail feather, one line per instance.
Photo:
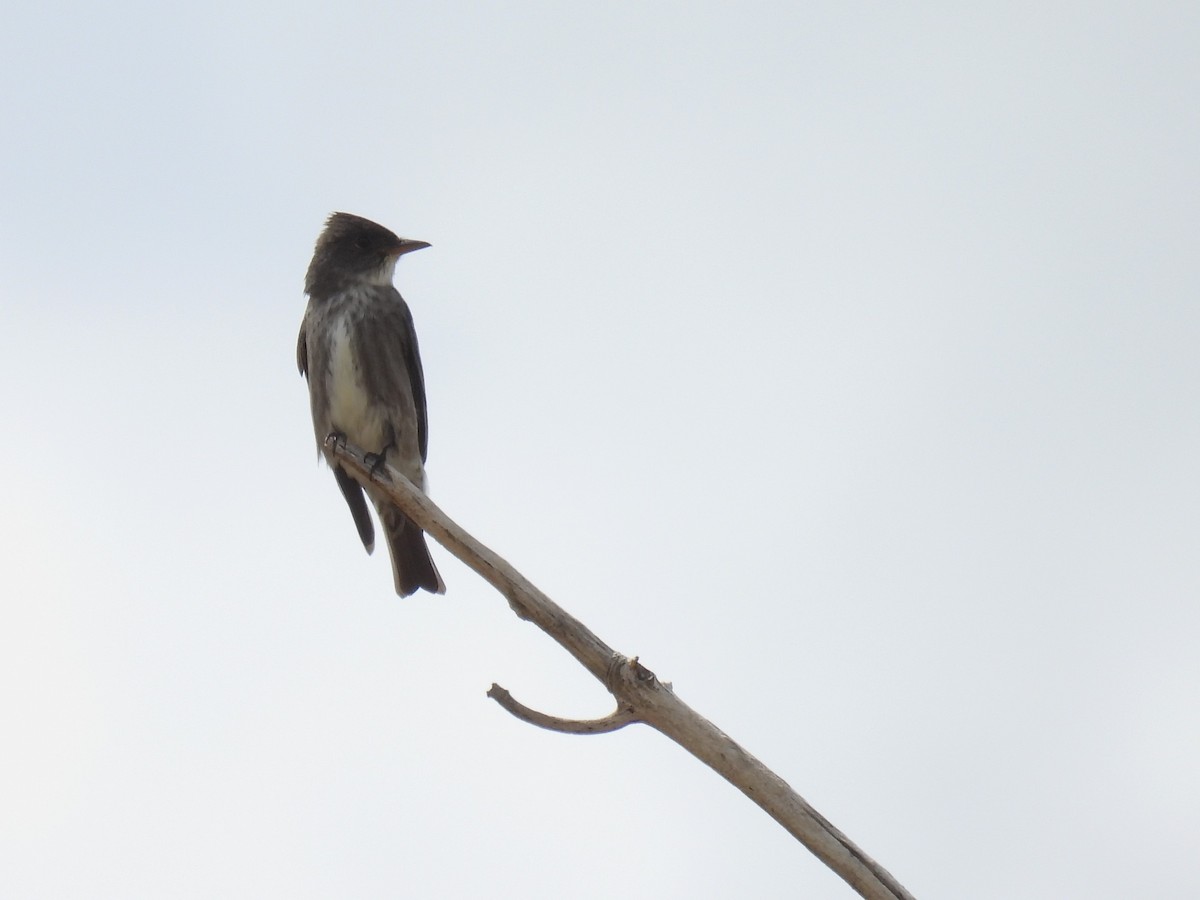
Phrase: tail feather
(412, 566)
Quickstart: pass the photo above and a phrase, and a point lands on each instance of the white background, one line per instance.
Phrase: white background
(841, 361)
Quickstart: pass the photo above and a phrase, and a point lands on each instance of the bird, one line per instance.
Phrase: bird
(357, 350)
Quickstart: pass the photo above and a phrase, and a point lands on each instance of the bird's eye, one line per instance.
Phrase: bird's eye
(362, 243)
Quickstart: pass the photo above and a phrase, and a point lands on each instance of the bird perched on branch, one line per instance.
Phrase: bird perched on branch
(358, 350)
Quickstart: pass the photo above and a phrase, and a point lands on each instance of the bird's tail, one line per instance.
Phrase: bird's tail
(412, 566)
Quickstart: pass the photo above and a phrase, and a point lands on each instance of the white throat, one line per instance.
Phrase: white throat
(385, 274)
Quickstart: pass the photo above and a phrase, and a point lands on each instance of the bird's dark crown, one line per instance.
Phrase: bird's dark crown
(349, 250)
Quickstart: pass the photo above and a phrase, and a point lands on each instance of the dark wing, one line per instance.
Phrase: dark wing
(389, 340)
(357, 501)
(416, 377)
(302, 349)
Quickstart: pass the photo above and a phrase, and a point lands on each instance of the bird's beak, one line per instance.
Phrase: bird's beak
(408, 246)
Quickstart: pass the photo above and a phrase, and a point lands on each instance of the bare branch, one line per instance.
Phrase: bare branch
(617, 719)
(638, 692)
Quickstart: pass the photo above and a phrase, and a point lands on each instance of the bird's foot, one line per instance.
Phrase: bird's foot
(376, 461)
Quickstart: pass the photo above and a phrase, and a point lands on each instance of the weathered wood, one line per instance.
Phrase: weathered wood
(640, 696)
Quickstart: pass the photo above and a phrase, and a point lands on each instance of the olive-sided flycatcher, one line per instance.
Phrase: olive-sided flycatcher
(358, 350)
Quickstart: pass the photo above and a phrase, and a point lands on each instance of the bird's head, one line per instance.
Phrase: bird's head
(353, 250)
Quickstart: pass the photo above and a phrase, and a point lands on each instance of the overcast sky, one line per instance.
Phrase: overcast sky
(840, 360)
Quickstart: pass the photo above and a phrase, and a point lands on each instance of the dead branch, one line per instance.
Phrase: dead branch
(614, 720)
(640, 696)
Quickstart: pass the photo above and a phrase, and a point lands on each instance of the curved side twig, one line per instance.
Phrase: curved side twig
(635, 687)
(619, 718)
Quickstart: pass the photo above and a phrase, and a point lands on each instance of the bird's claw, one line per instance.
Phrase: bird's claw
(375, 461)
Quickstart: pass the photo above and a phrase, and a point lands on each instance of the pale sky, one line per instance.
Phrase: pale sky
(841, 361)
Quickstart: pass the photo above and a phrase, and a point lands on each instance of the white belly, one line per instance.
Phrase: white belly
(349, 411)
